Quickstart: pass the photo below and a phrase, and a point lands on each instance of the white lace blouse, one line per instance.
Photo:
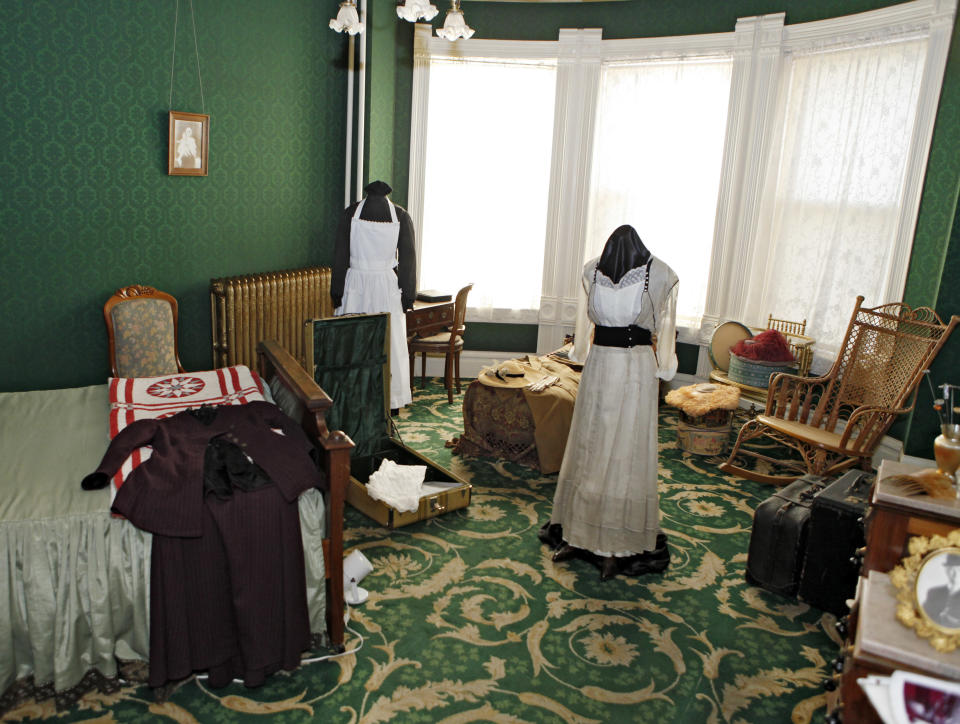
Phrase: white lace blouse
(632, 301)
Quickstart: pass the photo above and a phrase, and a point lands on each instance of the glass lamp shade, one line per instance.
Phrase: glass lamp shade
(946, 451)
(454, 26)
(347, 20)
(414, 10)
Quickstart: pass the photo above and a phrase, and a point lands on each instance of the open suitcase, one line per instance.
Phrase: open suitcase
(349, 357)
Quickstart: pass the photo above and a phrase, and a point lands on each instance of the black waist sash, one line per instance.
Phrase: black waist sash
(621, 336)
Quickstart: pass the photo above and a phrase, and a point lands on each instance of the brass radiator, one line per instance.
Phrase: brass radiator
(274, 305)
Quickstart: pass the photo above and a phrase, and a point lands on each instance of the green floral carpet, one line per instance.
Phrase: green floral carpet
(469, 620)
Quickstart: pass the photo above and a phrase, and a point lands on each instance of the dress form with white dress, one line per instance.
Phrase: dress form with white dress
(371, 287)
(606, 499)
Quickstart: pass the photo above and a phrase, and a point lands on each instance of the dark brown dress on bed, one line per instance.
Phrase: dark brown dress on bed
(227, 586)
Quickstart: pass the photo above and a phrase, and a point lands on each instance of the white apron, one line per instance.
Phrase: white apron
(371, 287)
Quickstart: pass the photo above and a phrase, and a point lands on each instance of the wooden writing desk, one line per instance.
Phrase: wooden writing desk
(428, 318)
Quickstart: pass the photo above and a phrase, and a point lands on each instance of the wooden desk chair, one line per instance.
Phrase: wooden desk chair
(835, 421)
(448, 344)
(142, 332)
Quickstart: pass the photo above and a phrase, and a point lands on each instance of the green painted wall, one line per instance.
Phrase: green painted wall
(501, 337)
(641, 18)
(86, 204)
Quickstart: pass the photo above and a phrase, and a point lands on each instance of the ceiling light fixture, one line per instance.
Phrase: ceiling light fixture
(414, 10)
(454, 26)
(347, 20)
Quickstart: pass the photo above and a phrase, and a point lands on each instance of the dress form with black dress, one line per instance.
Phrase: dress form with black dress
(227, 578)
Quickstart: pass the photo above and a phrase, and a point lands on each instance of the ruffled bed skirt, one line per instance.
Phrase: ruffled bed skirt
(75, 599)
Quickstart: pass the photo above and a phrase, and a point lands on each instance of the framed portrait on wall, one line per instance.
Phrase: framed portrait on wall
(189, 143)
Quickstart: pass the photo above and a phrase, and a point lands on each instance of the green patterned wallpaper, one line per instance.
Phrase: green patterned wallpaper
(934, 272)
(86, 203)
(939, 199)
(924, 424)
(386, 35)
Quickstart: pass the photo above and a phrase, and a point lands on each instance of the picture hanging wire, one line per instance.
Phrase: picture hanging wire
(196, 48)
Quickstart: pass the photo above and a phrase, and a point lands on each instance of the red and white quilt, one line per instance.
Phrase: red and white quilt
(140, 398)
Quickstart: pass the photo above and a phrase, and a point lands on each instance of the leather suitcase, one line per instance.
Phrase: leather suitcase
(349, 357)
(830, 567)
(778, 539)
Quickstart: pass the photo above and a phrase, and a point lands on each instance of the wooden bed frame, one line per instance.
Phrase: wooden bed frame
(274, 361)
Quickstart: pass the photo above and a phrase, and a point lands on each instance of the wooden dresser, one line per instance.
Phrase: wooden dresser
(876, 642)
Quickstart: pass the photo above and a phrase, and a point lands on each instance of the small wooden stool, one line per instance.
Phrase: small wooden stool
(706, 416)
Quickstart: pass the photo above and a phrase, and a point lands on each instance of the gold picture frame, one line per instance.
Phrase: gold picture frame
(189, 139)
(928, 589)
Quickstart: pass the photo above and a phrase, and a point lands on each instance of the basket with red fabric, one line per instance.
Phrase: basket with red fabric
(755, 360)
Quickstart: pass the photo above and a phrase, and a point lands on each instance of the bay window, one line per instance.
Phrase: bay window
(776, 168)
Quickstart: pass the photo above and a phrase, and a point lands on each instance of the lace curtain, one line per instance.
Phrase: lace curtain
(657, 159)
(777, 168)
(487, 180)
(832, 206)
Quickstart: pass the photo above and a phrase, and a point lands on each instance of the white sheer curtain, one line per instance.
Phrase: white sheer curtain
(486, 183)
(657, 160)
(777, 168)
(832, 209)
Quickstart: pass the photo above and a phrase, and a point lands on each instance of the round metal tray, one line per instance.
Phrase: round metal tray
(724, 337)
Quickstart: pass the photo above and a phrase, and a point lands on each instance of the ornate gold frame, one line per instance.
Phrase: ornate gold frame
(905, 576)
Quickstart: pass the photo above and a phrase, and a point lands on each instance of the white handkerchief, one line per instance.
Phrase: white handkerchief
(397, 485)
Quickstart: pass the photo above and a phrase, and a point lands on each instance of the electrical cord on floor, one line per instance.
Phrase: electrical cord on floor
(354, 650)
(315, 659)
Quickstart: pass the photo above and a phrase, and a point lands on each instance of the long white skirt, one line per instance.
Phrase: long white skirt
(606, 498)
(373, 292)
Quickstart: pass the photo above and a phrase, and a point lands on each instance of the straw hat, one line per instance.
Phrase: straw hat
(507, 374)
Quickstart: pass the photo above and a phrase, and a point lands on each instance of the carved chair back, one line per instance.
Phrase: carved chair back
(142, 332)
(880, 364)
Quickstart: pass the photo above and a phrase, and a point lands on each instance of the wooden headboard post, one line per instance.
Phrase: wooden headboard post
(275, 361)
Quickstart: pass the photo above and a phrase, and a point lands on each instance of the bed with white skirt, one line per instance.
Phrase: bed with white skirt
(74, 578)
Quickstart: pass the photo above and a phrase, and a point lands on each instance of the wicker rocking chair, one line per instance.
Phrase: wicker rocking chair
(835, 421)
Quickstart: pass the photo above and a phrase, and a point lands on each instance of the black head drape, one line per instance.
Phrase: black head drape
(623, 251)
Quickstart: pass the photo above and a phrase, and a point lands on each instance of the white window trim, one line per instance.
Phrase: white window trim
(578, 81)
(758, 45)
(425, 47)
(579, 54)
(756, 60)
(762, 41)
